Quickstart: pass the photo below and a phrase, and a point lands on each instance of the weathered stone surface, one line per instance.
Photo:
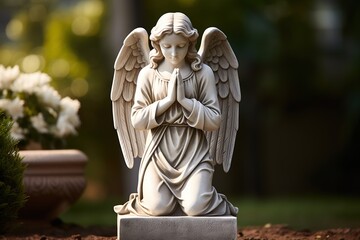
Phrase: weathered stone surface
(176, 228)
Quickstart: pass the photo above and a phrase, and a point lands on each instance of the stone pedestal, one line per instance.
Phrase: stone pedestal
(176, 228)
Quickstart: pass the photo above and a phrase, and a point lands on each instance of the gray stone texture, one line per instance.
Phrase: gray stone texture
(176, 228)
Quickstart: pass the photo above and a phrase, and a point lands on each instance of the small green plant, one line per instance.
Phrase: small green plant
(12, 195)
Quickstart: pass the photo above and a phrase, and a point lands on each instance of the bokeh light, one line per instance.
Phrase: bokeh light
(87, 13)
(32, 63)
(60, 68)
(92, 8)
(79, 87)
(14, 29)
(81, 25)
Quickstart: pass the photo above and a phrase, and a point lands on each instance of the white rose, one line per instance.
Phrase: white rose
(8, 76)
(68, 118)
(13, 107)
(48, 96)
(39, 123)
(64, 127)
(29, 82)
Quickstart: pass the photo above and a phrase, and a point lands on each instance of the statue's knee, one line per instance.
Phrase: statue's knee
(193, 207)
(158, 208)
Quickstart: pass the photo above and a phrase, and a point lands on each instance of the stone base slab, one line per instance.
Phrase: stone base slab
(176, 228)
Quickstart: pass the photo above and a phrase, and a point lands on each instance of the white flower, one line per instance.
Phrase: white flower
(69, 106)
(68, 118)
(30, 82)
(17, 132)
(13, 107)
(39, 123)
(8, 75)
(30, 98)
(48, 96)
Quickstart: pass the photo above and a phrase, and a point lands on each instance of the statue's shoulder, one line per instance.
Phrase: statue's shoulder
(205, 71)
(147, 71)
(206, 68)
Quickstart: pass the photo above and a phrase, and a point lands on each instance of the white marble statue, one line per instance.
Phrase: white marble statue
(178, 110)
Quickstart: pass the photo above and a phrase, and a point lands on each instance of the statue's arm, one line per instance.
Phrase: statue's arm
(205, 113)
(146, 112)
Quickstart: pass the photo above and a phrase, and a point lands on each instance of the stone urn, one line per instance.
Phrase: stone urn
(53, 180)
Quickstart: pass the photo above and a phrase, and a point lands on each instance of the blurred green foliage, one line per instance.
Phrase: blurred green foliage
(12, 194)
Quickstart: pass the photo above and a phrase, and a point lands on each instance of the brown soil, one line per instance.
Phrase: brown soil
(59, 230)
(281, 232)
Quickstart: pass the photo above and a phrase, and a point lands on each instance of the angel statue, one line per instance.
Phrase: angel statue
(178, 110)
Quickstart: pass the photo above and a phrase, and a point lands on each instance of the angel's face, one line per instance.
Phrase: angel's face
(174, 47)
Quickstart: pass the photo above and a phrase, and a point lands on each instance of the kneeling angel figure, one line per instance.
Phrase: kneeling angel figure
(177, 109)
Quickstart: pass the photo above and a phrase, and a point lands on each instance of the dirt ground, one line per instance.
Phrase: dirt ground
(60, 230)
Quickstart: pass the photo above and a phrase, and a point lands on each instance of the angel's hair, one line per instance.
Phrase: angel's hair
(177, 23)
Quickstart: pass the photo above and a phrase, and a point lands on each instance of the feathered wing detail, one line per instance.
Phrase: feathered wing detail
(216, 52)
(132, 57)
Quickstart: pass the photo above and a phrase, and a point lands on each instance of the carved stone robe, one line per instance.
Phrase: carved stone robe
(176, 171)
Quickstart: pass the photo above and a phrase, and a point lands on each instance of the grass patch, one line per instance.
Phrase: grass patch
(88, 213)
(312, 213)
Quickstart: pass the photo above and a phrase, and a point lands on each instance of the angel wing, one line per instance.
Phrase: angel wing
(132, 57)
(216, 52)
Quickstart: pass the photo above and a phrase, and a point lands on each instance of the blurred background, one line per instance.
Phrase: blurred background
(298, 146)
